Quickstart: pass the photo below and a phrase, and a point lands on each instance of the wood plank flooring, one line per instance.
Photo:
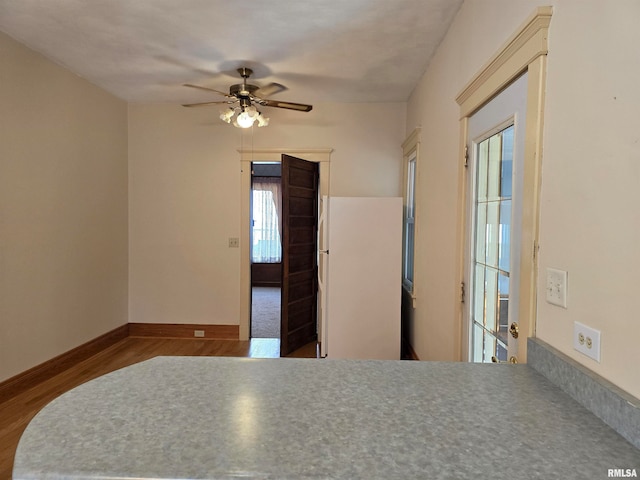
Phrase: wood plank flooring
(17, 412)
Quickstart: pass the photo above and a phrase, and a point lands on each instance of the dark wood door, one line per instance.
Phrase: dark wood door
(299, 312)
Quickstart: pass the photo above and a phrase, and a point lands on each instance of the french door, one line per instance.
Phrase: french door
(494, 224)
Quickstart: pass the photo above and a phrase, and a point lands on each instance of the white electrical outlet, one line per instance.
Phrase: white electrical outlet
(557, 287)
(198, 333)
(234, 242)
(586, 340)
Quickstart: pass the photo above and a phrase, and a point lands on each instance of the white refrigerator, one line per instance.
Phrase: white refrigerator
(360, 277)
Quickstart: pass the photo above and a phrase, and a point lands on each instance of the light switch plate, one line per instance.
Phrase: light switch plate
(557, 287)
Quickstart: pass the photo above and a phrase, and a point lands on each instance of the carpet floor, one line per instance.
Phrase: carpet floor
(265, 312)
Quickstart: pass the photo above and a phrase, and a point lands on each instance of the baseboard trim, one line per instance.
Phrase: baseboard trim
(46, 370)
(172, 330)
(38, 374)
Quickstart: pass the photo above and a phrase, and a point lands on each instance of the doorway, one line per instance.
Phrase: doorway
(525, 51)
(322, 157)
(266, 249)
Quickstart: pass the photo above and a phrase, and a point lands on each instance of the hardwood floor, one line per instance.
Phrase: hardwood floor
(17, 412)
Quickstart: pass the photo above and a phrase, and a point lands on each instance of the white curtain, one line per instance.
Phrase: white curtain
(267, 208)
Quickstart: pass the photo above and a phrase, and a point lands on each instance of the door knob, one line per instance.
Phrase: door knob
(513, 330)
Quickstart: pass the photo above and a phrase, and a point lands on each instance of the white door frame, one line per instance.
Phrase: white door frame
(526, 50)
(247, 156)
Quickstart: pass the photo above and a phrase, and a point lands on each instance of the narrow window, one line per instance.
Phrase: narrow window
(409, 222)
(266, 246)
(410, 149)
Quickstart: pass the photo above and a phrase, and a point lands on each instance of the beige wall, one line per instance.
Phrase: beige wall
(184, 196)
(590, 225)
(590, 219)
(63, 210)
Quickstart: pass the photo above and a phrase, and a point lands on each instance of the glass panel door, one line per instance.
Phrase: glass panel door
(492, 237)
(494, 225)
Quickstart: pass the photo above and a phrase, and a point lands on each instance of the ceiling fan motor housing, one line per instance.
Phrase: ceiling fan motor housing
(242, 90)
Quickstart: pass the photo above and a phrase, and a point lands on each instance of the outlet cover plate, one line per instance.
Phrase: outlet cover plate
(557, 287)
(586, 340)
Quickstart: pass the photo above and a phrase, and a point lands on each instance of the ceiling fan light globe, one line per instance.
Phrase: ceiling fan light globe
(244, 120)
(262, 120)
(252, 111)
(227, 114)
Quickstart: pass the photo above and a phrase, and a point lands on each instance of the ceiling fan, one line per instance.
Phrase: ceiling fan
(243, 97)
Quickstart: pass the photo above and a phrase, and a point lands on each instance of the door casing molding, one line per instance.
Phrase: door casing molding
(526, 50)
(247, 156)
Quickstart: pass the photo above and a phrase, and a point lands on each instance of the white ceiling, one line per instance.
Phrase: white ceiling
(322, 50)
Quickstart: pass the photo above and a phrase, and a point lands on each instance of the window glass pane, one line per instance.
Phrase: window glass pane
(411, 175)
(478, 343)
(489, 347)
(408, 263)
(495, 167)
(492, 233)
(491, 299)
(481, 232)
(504, 252)
(503, 308)
(501, 352)
(266, 246)
(507, 163)
(478, 294)
(483, 159)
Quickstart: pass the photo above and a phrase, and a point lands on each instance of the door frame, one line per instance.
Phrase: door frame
(526, 50)
(247, 156)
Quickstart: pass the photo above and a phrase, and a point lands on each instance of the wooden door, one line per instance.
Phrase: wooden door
(299, 315)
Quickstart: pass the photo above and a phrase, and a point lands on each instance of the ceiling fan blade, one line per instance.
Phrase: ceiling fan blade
(207, 89)
(206, 104)
(289, 105)
(270, 89)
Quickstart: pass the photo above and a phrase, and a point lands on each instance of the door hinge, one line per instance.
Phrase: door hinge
(462, 292)
(466, 156)
(536, 247)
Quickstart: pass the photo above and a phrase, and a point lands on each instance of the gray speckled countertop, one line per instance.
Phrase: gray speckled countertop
(229, 418)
